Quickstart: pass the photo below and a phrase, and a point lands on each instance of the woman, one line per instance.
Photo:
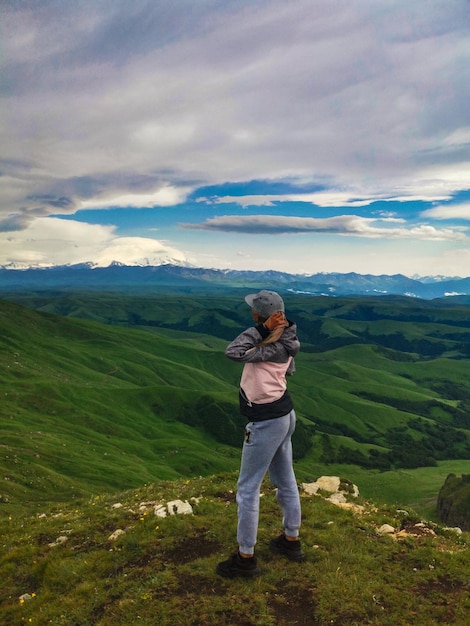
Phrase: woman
(267, 351)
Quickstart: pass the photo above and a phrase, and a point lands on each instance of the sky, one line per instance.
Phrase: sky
(301, 136)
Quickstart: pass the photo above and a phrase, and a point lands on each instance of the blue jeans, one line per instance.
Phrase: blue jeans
(267, 448)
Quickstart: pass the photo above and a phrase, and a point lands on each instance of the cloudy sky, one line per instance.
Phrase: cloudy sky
(303, 135)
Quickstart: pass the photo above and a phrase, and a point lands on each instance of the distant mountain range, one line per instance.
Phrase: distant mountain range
(118, 277)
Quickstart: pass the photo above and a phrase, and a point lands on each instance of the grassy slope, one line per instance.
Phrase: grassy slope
(87, 407)
(161, 571)
(90, 407)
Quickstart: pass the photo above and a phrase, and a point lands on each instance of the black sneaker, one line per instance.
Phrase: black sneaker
(238, 566)
(291, 549)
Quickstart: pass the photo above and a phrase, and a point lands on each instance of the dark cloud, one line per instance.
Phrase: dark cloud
(51, 201)
(339, 225)
(15, 222)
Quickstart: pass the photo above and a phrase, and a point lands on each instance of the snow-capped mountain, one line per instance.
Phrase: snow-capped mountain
(144, 277)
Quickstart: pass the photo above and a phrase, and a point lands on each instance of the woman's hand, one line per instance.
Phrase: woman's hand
(276, 320)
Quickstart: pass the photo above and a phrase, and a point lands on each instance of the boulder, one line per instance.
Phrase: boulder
(333, 485)
(178, 507)
(325, 483)
(386, 529)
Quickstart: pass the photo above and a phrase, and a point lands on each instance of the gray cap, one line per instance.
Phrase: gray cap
(265, 303)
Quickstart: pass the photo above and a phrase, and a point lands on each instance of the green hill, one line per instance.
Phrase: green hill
(87, 407)
(381, 390)
(142, 409)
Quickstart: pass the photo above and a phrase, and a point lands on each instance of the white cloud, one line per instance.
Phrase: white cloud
(320, 198)
(166, 196)
(331, 198)
(53, 241)
(458, 137)
(451, 211)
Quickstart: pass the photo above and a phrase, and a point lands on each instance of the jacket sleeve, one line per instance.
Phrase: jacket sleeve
(246, 349)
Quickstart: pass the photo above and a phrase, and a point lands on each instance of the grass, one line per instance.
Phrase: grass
(162, 570)
(93, 415)
(88, 408)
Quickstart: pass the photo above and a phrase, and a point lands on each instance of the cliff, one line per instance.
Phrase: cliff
(453, 503)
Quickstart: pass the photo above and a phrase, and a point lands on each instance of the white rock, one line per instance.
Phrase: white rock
(160, 510)
(25, 597)
(116, 534)
(337, 498)
(310, 488)
(329, 483)
(118, 505)
(355, 492)
(386, 529)
(179, 507)
(146, 506)
(58, 542)
(326, 483)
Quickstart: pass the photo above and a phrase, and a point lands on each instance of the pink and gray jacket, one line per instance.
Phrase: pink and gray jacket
(263, 388)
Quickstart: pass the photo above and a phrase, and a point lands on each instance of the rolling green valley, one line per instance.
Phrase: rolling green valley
(104, 391)
(113, 405)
